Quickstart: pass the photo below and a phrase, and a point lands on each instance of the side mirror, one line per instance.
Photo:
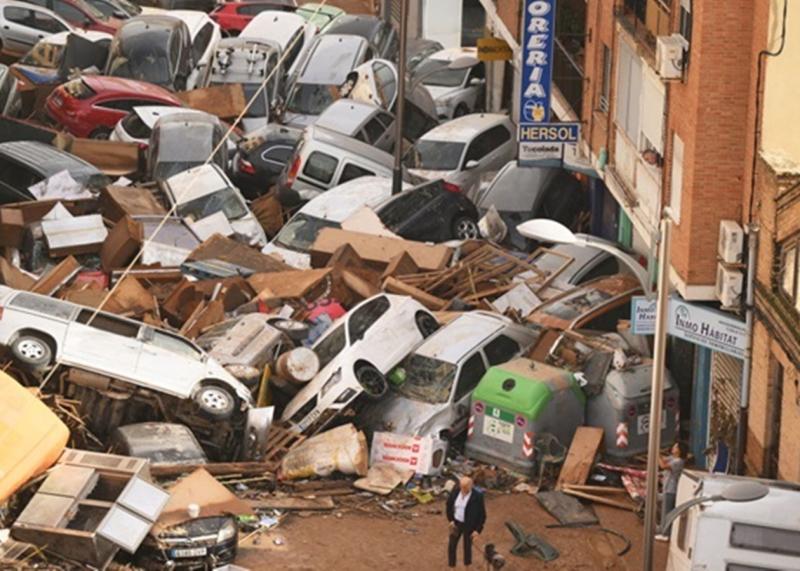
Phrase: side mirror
(471, 164)
(475, 82)
(119, 14)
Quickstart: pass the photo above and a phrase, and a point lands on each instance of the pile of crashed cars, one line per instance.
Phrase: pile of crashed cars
(204, 265)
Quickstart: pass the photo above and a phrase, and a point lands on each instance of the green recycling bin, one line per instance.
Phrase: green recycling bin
(516, 401)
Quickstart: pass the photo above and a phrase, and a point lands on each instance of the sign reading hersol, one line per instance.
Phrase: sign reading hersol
(493, 49)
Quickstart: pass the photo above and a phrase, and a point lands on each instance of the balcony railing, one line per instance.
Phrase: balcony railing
(645, 20)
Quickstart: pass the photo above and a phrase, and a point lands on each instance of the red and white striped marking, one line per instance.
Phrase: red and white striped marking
(622, 435)
(527, 444)
(471, 425)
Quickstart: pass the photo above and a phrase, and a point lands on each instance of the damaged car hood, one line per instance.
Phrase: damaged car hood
(404, 416)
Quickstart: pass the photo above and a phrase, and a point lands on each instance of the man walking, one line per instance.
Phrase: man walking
(466, 514)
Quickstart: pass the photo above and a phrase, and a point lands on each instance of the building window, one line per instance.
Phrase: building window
(605, 90)
(676, 178)
(790, 271)
(685, 20)
(629, 91)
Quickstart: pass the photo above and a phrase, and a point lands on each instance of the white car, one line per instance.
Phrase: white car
(41, 331)
(138, 124)
(461, 151)
(456, 92)
(328, 210)
(205, 35)
(431, 387)
(23, 24)
(355, 354)
(291, 32)
(205, 191)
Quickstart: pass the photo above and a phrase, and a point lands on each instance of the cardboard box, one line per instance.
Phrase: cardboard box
(122, 243)
(118, 201)
(12, 227)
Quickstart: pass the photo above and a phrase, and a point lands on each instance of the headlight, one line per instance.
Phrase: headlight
(227, 531)
(335, 378)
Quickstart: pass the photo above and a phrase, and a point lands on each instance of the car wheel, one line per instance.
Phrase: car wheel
(32, 351)
(460, 111)
(101, 133)
(372, 381)
(215, 402)
(465, 228)
(295, 330)
(426, 324)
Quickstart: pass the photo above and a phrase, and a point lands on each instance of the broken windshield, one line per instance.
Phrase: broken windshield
(300, 232)
(424, 379)
(224, 200)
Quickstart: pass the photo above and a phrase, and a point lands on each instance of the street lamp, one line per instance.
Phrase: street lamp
(546, 230)
(740, 492)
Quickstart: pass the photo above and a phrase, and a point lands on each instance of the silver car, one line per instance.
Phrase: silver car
(461, 151)
(456, 92)
(23, 24)
(431, 387)
(41, 331)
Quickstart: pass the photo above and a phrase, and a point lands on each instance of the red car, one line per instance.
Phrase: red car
(91, 105)
(80, 14)
(232, 17)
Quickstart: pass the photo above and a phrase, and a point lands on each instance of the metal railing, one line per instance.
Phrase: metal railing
(645, 20)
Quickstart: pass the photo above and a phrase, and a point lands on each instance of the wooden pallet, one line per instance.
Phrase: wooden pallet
(279, 441)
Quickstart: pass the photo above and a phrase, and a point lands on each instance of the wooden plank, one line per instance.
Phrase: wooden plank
(580, 457)
(214, 468)
(52, 281)
(305, 504)
(393, 285)
(601, 500)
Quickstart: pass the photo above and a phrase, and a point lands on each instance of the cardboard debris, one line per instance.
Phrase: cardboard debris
(580, 458)
(123, 241)
(377, 249)
(52, 280)
(68, 235)
(203, 317)
(12, 227)
(521, 299)
(227, 250)
(226, 101)
(118, 201)
(286, 285)
(130, 297)
(267, 209)
(324, 503)
(13, 277)
(217, 223)
(382, 478)
(60, 185)
(364, 220)
(114, 158)
(341, 449)
(394, 285)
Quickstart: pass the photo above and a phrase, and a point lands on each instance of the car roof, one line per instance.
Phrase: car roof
(463, 129)
(149, 114)
(348, 144)
(194, 19)
(467, 331)
(355, 24)
(331, 59)
(149, 21)
(196, 182)
(46, 159)
(191, 116)
(60, 39)
(452, 54)
(346, 115)
(106, 83)
(340, 202)
(274, 25)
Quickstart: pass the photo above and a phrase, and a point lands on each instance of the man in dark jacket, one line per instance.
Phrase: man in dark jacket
(466, 514)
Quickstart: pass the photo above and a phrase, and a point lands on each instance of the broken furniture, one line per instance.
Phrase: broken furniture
(90, 506)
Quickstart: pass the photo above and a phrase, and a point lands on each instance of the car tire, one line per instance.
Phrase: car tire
(460, 111)
(100, 134)
(32, 351)
(293, 329)
(426, 323)
(465, 228)
(215, 402)
(372, 381)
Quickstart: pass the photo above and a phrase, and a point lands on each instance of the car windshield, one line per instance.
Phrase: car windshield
(224, 200)
(311, 98)
(260, 103)
(130, 7)
(301, 231)
(442, 77)
(329, 347)
(435, 155)
(144, 57)
(44, 55)
(423, 378)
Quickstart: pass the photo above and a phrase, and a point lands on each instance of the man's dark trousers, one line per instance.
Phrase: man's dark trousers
(474, 519)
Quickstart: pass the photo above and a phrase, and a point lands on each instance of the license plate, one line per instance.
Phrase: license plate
(499, 429)
(643, 423)
(189, 552)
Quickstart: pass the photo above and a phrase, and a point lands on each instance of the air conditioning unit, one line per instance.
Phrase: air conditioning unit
(728, 288)
(669, 56)
(731, 242)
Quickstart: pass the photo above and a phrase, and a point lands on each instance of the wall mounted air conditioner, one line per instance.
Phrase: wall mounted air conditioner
(730, 246)
(669, 56)
(728, 288)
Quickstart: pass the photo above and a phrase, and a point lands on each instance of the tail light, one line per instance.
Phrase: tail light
(450, 187)
(293, 170)
(245, 166)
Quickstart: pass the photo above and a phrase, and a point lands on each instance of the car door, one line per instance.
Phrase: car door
(382, 345)
(172, 363)
(71, 14)
(495, 141)
(103, 343)
(15, 180)
(469, 375)
(23, 27)
(416, 214)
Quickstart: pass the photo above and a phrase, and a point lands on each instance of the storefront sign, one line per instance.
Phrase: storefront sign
(709, 328)
(494, 49)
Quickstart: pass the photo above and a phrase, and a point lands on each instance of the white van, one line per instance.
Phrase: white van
(761, 535)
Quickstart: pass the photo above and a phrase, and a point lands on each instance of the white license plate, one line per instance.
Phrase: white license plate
(190, 552)
(499, 429)
(643, 423)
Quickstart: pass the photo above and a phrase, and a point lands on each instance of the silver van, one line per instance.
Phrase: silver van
(323, 159)
(363, 121)
(324, 70)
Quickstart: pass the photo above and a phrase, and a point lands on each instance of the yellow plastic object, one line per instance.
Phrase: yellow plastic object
(264, 390)
(32, 437)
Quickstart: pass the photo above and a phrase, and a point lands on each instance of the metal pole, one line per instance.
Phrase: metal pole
(397, 175)
(657, 395)
(744, 397)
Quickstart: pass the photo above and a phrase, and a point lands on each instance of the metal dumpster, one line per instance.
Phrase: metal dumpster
(622, 410)
(516, 401)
